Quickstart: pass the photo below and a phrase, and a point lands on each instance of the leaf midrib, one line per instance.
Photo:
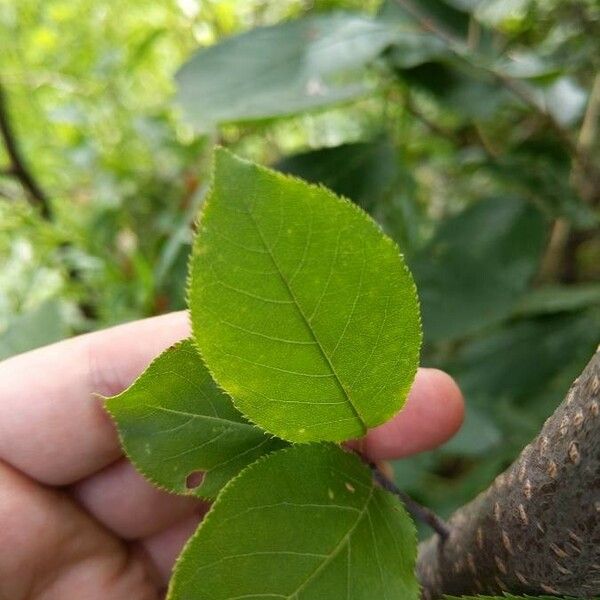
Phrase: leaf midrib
(306, 321)
(336, 550)
(225, 422)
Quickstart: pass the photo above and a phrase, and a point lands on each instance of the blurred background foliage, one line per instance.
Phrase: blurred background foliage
(467, 128)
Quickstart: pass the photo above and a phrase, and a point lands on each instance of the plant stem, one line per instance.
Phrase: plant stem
(418, 511)
(18, 167)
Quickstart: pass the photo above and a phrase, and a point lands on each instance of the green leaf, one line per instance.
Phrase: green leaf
(362, 171)
(564, 99)
(425, 29)
(306, 523)
(39, 327)
(477, 436)
(428, 15)
(303, 310)
(465, 90)
(371, 175)
(282, 69)
(559, 298)
(525, 356)
(413, 48)
(478, 266)
(174, 421)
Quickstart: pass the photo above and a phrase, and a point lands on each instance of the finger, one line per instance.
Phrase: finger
(163, 548)
(52, 427)
(52, 549)
(122, 500)
(433, 413)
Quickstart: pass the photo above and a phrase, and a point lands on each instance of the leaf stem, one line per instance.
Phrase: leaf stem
(418, 511)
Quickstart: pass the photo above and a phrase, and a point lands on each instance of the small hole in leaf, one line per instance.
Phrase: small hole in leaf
(194, 480)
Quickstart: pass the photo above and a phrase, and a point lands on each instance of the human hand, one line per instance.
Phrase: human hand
(76, 520)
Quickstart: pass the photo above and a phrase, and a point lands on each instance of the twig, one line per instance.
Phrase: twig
(553, 260)
(591, 120)
(588, 186)
(7, 171)
(461, 50)
(432, 125)
(18, 168)
(418, 511)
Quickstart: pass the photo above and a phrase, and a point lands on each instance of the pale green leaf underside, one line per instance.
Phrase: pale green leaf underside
(174, 421)
(305, 523)
(303, 310)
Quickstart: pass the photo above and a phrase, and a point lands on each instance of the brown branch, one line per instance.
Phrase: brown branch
(18, 167)
(588, 184)
(552, 264)
(536, 529)
(591, 120)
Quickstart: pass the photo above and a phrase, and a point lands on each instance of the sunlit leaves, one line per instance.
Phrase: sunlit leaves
(305, 523)
(175, 422)
(303, 310)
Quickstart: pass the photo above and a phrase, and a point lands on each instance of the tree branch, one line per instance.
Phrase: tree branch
(536, 529)
(18, 167)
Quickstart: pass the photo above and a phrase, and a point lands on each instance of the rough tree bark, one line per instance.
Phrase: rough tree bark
(536, 530)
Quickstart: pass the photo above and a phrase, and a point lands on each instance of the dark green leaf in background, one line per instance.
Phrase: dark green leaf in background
(478, 266)
(303, 310)
(305, 523)
(364, 171)
(370, 174)
(459, 87)
(38, 327)
(478, 435)
(437, 14)
(521, 358)
(283, 69)
(559, 298)
(175, 422)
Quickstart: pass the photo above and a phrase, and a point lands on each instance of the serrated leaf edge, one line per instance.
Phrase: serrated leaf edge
(342, 200)
(197, 491)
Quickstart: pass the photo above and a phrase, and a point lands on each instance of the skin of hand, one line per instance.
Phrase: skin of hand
(76, 520)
